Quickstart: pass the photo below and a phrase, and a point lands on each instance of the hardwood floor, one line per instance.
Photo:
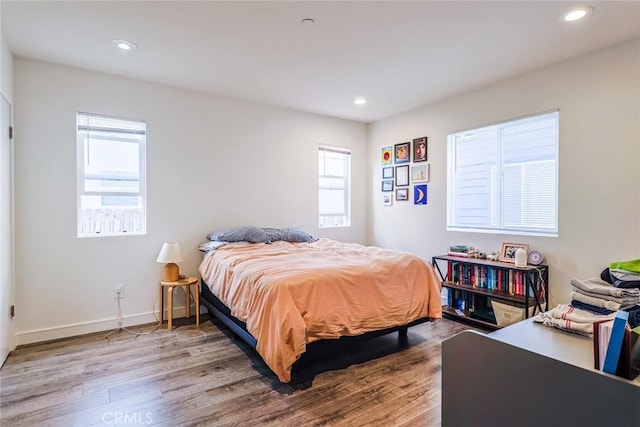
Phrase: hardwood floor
(206, 377)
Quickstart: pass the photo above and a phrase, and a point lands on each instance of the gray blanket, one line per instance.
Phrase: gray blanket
(597, 286)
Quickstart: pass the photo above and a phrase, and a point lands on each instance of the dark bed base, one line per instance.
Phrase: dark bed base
(314, 350)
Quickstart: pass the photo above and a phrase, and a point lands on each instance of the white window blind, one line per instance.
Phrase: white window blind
(504, 177)
(111, 175)
(334, 187)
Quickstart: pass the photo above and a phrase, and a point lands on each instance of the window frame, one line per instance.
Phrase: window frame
(501, 228)
(346, 216)
(81, 176)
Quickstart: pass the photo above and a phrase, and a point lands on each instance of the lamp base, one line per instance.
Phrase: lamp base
(170, 272)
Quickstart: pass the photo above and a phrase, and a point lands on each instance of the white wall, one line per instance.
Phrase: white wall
(6, 71)
(598, 96)
(211, 162)
(7, 288)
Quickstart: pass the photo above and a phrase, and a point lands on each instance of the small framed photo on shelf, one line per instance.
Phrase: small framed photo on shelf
(401, 153)
(402, 194)
(387, 199)
(387, 173)
(508, 251)
(387, 186)
(420, 149)
(402, 175)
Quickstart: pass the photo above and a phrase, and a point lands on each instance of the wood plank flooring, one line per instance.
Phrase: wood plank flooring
(206, 377)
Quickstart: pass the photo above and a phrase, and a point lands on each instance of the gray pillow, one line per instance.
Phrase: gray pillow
(247, 233)
(297, 235)
(274, 234)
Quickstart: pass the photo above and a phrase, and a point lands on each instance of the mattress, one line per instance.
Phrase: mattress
(292, 294)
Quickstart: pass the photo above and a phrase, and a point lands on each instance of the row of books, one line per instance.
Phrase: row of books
(477, 306)
(499, 279)
(463, 301)
(616, 347)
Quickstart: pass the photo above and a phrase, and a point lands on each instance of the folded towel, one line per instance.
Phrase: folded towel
(598, 302)
(565, 311)
(592, 308)
(624, 302)
(631, 265)
(624, 279)
(566, 325)
(571, 319)
(634, 317)
(595, 285)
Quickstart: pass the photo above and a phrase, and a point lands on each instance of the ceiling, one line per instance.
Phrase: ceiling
(398, 55)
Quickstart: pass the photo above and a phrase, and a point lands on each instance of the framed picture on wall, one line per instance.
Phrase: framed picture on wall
(386, 155)
(387, 173)
(387, 199)
(420, 173)
(402, 175)
(420, 194)
(401, 153)
(420, 149)
(402, 194)
(387, 186)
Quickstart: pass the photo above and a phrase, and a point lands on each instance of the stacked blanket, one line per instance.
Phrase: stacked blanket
(602, 297)
(571, 319)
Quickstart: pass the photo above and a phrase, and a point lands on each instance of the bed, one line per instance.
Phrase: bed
(282, 297)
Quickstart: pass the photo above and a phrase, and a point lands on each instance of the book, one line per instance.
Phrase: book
(612, 356)
(634, 353)
(601, 335)
(460, 254)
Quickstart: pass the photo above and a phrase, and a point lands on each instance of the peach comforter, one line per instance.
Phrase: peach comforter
(291, 294)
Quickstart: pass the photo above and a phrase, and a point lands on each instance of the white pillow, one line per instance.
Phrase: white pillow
(210, 245)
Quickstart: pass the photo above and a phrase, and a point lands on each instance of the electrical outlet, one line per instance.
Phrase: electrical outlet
(118, 291)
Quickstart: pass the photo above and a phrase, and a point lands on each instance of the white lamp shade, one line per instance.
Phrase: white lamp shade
(170, 252)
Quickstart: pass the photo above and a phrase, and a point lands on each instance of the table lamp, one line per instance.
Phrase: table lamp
(170, 254)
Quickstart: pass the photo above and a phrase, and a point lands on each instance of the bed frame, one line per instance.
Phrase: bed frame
(217, 309)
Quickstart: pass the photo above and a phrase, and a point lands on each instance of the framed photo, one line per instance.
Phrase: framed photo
(386, 155)
(387, 173)
(402, 194)
(420, 149)
(508, 252)
(387, 199)
(401, 153)
(387, 186)
(420, 194)
(402, 175)
(420, 173)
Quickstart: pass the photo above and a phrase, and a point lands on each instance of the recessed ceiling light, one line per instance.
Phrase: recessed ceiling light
(577, 13)
(359, 101)
(124, 44)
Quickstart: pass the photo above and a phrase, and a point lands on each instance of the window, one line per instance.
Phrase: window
(334, 187)
(504, 178)
(111, 176)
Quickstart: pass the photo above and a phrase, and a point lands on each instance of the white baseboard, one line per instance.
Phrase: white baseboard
(72, 330)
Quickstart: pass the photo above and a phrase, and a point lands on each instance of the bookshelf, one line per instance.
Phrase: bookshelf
(472, 284)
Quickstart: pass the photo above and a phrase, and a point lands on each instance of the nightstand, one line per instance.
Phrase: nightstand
(185, 284)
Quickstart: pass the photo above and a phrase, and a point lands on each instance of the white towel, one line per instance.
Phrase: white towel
(598, 286)
(566, 325)
(598, 302)
(571, 319)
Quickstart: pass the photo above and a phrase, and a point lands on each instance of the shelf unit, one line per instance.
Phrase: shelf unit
(531, 291)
